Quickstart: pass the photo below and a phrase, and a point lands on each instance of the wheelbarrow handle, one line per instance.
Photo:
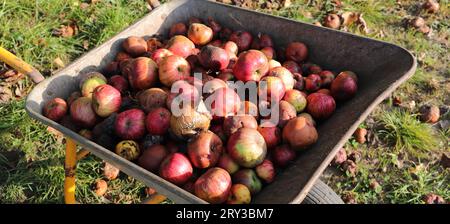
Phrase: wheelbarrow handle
(21, 66)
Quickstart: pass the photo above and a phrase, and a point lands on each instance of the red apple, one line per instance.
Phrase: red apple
(189, 187)
(269, 52)
(223, 102)
(299, 133)
(264, 41)
(181, 46)
(251, 65)
(282, 155)
(82, 112)
(299, 83)
(160, 54)
(225, 33)
(152, 157)
(55, 109)
(177, 29)
(214, 58)
(285, 75)
(213, 186)
(176, 169)
(271, 88)
(173, 68)
(243, 39)
(248, 178)
(286, 112)
(233, 123)
(135, 46)
(205, 149)
(200, 34)
(239, 194)
(295, 98)
(292, 66)
(106, 100)
(312, 83)
(227, 163)
(143, 73)
(152, 98)
(118, 82)
(215, 26)
(271, 135)
(266, 171)
(327, 77)
(158, 121)
(247, 147)
(130, 124)
(73, 96)
(296, 51)
(343, 88)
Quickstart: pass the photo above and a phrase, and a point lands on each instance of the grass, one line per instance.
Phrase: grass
(402, 154)
(405, 132)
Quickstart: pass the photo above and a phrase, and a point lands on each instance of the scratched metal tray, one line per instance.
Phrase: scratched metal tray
(381, 68)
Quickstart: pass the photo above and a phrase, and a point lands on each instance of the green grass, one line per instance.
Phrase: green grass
(402, 154)
(406, 132)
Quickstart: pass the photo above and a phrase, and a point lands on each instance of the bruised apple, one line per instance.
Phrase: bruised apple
(152, 157)
(233, 123)
(152, 98)
(227, 163)
(213, 186)
(200, 34)
(239, 194)
(160, 54)
(296, 51)
(243, 39)
(248, 178)
(177, 29)
(247, 147)
(214, 58)
(135, 46)
(118, 82)
(299, 133)
(266, 171)
(282, 155)
(205, 149)
(143, 73)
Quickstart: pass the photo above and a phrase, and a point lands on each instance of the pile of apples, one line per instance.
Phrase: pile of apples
(225, 153)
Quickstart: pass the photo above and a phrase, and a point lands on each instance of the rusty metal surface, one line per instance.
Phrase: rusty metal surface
(381, 68)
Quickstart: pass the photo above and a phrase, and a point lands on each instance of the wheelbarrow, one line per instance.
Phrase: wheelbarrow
(381, 68)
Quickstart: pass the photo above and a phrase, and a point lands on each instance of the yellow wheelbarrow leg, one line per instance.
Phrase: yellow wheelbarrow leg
(154, 199)
(21, 66)
(69, 168)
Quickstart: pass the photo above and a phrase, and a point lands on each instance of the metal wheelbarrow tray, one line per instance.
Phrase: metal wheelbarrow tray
(381, 68)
